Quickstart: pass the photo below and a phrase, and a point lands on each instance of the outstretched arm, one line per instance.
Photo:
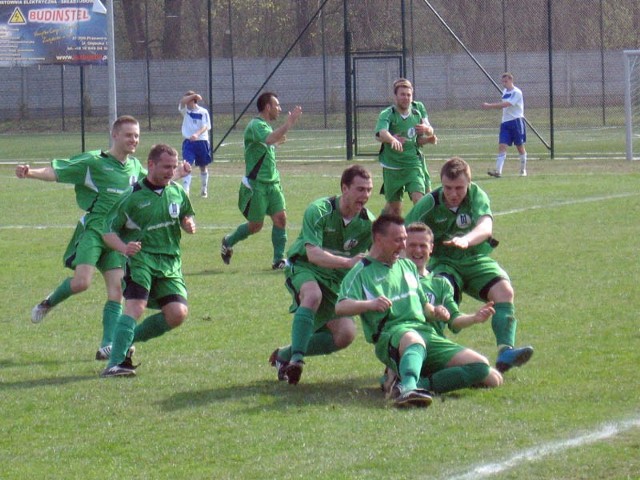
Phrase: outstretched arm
(466, 320)
(496, 105)
(46, 173)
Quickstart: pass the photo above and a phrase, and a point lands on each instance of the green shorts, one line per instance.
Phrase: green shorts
(260, 200)
(474, 275)
(440, 350)
(299, 273)
(156, 277)
(396, 182)
(86, 247)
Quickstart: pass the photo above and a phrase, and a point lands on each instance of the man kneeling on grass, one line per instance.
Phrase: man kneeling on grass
(385, 290)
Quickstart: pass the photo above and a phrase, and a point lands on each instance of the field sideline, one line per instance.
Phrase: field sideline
(206, 404)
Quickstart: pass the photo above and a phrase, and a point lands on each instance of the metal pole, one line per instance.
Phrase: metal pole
(413, 45)
(111, 66)
(550, 43)
(324, 71)
(504, 38)
(82, 143)
(604, 118)
(209, 31)
(62, 95)
(347, 80)
(404, 39)
(146, 48)
(233, 77)
(627, 102)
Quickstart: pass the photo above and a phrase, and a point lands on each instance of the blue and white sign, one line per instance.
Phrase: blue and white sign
(70, 32)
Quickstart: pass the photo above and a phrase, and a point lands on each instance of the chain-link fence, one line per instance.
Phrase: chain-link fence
(566, 56)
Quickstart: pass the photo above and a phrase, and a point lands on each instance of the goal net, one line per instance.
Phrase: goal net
(632, 102)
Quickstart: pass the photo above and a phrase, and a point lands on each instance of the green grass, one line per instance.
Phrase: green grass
(205, 403)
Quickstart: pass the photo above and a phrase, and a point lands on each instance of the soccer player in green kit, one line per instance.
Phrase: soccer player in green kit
(403, 129)
(146, 227)
(385, 290)
(446, 314)
(100, 179)
(336, 231)
(459, 214)
(260, 190)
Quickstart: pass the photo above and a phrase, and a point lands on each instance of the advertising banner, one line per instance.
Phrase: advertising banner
(67, 32)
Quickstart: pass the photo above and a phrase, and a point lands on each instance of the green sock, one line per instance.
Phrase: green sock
(504, 323)
(238, 235)
(151, 327)
(110, 315)
(61, 293)
(411, 364)
(455, 378)
(279, 241)
(321, 343)
(301, 332)
(122, 339)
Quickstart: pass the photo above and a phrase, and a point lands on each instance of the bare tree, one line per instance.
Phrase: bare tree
(172, 29)
(304, 9)
(134, 27)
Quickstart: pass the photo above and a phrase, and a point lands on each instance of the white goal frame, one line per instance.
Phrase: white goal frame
(631, 63)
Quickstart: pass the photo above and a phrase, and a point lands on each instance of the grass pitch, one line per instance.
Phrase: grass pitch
(206, 404)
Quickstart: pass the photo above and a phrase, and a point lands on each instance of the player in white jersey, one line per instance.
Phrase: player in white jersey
(196, 149)
(512, 128)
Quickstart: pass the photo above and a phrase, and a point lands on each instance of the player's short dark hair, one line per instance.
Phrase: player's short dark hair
(264, 100)
(508, 75)
(454, 168)
(157, 150)
(381, 224)
(352, 172)
(123, 120)
(420, 227)
(401, 83)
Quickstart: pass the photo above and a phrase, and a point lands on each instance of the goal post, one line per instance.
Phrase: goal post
(632, 101)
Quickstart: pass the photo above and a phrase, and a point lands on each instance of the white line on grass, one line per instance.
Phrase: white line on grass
(565, 203)
(534, 454)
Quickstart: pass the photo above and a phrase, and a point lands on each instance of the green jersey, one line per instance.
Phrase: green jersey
(403, 126)
(323, 226)
(100, 181)
(259, 158)
(400, 283)
(152, 216)
(447, 224)
(440, 292)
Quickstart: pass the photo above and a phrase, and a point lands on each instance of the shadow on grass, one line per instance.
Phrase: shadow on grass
(46, 382)
(267, 395)
(226, 270)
